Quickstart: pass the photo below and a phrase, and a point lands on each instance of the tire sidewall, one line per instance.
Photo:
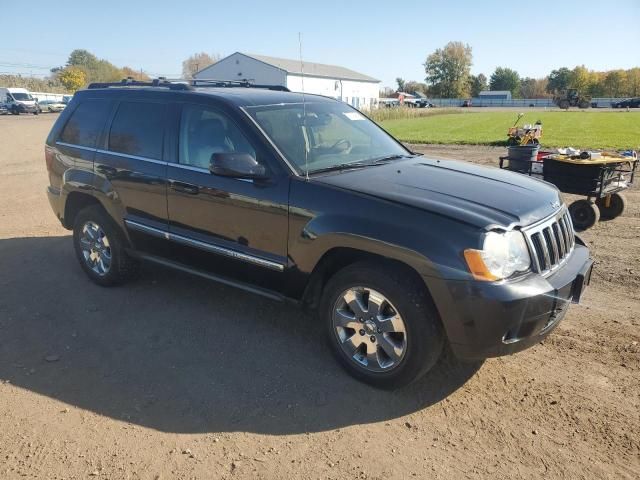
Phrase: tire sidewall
(423, 329)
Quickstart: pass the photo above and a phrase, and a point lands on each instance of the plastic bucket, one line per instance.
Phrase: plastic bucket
(521, 156)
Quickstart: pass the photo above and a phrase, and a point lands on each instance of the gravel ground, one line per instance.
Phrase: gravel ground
(176, 377)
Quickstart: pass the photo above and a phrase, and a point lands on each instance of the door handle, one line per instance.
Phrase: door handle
(187, 188)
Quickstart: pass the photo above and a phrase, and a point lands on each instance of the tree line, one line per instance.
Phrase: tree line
(83, 67)
(448, 75)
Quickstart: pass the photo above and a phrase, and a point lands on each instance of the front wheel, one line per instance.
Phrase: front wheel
(584, 214)
(100, 248)
(612, 208)
(381, 324)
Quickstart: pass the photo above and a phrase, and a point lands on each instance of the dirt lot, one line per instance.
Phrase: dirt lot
(175, 377)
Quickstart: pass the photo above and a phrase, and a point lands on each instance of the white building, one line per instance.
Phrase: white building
(356, 89)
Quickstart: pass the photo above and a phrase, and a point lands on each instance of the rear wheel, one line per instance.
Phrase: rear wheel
(564, 104)
(583, 104)
(616, 205)
(100, 248)
(381, 324)
(584, 214)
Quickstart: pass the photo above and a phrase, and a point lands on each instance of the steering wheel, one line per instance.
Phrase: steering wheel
(342, 145)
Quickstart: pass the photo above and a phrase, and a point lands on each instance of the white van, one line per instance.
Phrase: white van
(18, 100)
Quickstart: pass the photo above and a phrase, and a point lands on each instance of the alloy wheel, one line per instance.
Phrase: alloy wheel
(95, 247)
(369, 329)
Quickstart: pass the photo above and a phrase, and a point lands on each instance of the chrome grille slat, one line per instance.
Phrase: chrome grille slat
(557, 234)
(554, 245)
(550, 241)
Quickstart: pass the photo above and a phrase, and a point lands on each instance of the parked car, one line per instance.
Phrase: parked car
(466, 103)
(51, 106)
(303, 198)
(627, 103)
(18, 100)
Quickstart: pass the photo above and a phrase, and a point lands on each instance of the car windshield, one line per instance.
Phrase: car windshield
(331, 135)
(21, 96)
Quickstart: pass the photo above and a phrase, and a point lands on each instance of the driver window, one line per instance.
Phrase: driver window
(205, 131)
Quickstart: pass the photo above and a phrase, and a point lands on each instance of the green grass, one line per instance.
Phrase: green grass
(580, 129)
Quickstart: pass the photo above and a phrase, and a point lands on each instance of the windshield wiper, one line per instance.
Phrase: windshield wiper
(342, 166)
(372, 162)
(387, 158)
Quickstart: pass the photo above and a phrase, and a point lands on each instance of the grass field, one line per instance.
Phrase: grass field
(580, 129)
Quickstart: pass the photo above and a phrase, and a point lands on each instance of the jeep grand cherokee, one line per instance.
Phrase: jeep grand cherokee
(304, 198)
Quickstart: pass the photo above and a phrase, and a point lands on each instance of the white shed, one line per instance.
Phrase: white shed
(356, 89)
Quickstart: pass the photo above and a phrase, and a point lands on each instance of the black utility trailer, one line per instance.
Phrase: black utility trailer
(600, 179)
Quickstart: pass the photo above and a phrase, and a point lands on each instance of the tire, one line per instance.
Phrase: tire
(414, 337)
(100, 248)
(616, 206)
(15, 111)
(584, 214)
(583, 105)
(564, 104)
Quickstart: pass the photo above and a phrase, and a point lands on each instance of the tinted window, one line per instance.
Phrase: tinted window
(138, 129)
(86, 123)
(204, 131)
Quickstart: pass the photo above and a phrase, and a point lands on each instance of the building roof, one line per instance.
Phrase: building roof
(312, 69)
(495, 92)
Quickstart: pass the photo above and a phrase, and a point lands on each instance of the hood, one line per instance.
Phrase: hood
(481, 196)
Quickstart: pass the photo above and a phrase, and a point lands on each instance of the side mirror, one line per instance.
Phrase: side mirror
(236, 165)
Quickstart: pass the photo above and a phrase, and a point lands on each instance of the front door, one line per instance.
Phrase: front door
(233, 227)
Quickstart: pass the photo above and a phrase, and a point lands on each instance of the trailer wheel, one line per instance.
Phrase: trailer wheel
(584, 214)
(617, 204)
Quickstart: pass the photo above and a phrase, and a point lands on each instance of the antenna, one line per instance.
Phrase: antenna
(304, 112)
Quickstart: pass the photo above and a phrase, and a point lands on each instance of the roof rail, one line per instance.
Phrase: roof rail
(235, 83)
(130, 82)
(162, 82)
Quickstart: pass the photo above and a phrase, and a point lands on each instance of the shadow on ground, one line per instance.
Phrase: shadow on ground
(179, 354)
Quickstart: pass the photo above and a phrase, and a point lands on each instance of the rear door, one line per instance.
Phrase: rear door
(233, 227)
(132, 171)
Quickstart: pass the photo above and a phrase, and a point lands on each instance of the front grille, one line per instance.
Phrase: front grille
(551, 241)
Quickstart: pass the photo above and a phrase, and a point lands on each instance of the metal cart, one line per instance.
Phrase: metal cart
(601, 180)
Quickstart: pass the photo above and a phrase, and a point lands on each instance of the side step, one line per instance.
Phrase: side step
(210, 276)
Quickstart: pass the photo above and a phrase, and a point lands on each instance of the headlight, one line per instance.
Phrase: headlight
(502, 255)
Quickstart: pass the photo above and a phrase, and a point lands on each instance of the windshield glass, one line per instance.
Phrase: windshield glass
(332, 134)
(21, 96)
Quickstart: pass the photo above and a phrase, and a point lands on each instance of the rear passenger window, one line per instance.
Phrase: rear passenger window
(138, 129)
(86, 122)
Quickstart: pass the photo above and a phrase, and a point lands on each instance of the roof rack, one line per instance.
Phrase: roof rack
(130, 82)
(235, 83)
(162, 82)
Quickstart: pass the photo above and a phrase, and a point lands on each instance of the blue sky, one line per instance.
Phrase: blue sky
(382, 39)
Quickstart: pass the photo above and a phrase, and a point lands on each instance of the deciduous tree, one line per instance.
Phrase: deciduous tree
(478, 84)
(72, 78)
(505, 79)
(448, 70)
(197, 62)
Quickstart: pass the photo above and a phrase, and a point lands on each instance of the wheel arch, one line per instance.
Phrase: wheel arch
(338, 258)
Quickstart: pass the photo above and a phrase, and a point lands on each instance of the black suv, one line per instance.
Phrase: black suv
(304, 198)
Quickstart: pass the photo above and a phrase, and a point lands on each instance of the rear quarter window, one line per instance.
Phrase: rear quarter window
(138, 129)
(86, 123)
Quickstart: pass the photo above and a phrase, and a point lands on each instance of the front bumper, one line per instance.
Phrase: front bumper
(492, 319)
(27, 108)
